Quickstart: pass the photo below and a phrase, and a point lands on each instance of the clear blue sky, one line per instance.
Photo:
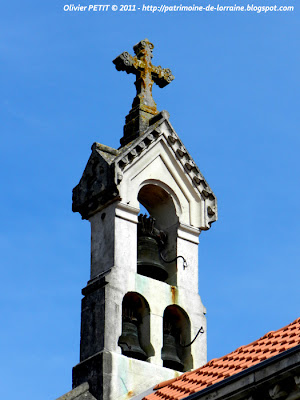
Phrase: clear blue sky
(235, 105)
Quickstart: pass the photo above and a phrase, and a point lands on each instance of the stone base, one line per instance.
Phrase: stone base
(136, 123)
(129, 378)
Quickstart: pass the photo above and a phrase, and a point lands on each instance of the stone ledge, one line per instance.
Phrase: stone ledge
(81, 392)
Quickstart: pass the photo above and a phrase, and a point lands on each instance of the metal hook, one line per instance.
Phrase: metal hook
(168, 262)
(201, 330)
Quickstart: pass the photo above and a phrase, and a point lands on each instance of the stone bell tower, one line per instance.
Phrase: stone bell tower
(142, 318)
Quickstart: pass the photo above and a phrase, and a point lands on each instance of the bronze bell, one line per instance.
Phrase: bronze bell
(149, 244)
(169, 353)
(129, 341)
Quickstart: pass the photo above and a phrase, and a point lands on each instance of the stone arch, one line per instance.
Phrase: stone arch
(164, 208)
(161, 201)
(176, 352)
(135, 338)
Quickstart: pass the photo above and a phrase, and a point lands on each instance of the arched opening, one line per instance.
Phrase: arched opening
(176, 352)
(135, 338)
(157, 234)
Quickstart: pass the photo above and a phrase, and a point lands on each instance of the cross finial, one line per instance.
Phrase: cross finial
(143, 106)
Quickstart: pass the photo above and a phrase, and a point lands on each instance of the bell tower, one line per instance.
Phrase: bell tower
(142, 319)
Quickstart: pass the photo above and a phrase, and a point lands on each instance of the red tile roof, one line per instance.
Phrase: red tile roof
(221, 368)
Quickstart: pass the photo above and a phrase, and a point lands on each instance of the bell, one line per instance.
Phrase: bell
(169, 353)
(148, 260)
(129, 341)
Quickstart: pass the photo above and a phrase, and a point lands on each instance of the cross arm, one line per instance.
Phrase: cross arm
(162, 76)
(125, 62)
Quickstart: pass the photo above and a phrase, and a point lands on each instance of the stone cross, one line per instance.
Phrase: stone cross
(143, 106)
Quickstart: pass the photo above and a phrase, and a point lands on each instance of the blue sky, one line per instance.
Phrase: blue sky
(235, 105)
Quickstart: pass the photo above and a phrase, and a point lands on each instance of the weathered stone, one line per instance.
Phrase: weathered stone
(80, 392)
(154, 169)
(92, 318)
(97, 186)
(114, 269)
(91, 370)
(143, 106)
(103, 179)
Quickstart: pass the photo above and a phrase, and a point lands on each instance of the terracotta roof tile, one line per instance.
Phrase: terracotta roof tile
(218, 369)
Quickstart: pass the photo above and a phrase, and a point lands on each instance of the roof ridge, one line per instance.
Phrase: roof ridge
(265, 336)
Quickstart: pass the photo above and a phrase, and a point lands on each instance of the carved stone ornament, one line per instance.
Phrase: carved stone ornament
(97, 187)
(105, 170)
(143, 106)
(276, 392)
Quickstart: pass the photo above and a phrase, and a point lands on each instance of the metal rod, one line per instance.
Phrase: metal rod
(166, 261)
(201, 330)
